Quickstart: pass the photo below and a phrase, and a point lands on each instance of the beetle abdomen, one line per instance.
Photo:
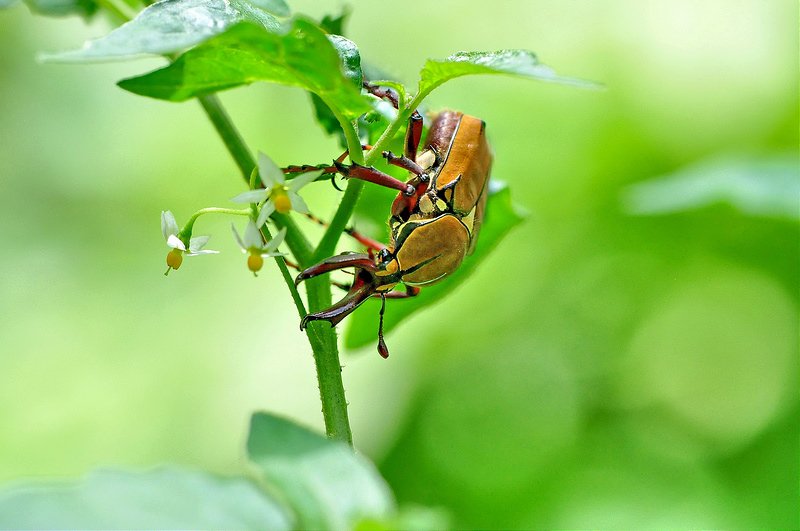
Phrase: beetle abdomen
(465, 172)
(433, 249)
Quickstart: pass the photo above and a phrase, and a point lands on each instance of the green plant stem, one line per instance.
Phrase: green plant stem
(321, 337)
(327, 244)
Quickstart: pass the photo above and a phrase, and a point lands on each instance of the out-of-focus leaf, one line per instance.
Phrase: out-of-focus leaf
(4, 4)
(302, 56)
(520, 63)
(276, 7)
(166, 498)
(58, 8)
(500, 217)
(410, 518)
(350, 58)
(767, 187)
(351, 68)
(167, 27)
(334, 24)
(324, 481)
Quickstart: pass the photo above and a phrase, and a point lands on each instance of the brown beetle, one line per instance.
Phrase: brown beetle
(435, 219)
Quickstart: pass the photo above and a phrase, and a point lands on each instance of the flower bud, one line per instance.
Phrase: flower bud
(174, 258)
(282, 202)
(255, 262)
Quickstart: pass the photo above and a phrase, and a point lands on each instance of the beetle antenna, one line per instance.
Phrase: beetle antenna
(382, 349)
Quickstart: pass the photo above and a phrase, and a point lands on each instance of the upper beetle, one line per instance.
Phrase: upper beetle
(434, 222)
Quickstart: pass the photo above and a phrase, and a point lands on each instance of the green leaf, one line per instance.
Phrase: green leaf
(167, 27)
(351, 63)
(350, 58)
(500, 217)
(58, 8)
(334, 24)
(166, 498)
(520, 63)
(759, 187)
(325, 482)
(276, 7)
(302, 56)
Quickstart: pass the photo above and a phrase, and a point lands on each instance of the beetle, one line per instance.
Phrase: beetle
(434, 221)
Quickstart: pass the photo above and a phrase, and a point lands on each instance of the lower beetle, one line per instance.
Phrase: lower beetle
(434, 221)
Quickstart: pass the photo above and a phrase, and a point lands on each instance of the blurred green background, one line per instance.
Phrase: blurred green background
(608, 366)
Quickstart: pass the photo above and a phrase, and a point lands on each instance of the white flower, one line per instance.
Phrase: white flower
(169, 228)
(277, 194)
(254, 246)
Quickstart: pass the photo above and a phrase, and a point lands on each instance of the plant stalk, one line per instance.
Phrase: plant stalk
(321, 337)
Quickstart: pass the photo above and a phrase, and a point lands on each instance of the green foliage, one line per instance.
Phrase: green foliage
(276, 7)
(501, 217)
(510, 62)
(764, 187)
(167, 498)
(303, 56)
(169, 27)
(311, 482)
(326, 484)
(57, 8)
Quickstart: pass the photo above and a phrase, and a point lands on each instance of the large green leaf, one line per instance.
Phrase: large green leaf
(520, 63)
(167, 27)
(166, 498)
(501, 216)
(351, 68)
(325, 482)
(302, 56)
(57, 8)
(276, 7)
(759, 187)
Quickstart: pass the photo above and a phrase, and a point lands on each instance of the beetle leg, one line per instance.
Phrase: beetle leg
(384, 93)
(411, 291)
(370, 174)
(334, 263)
(366, 241)
(358, 293)
(383, 350)
(413, 136)
(404, 162)
(414, 130)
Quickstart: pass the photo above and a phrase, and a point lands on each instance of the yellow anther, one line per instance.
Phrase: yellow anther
(174, 258)
(255, 261)
(281, 200)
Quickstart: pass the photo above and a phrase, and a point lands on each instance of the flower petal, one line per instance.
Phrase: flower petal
(266, 211)
(238, 238)
(175, 242)
(275, 242)
(302, 180)
(251, 196)
(252, 236)
(269, 172)
(204, 251)
(168, 224)
(197, 243)
(298, 205)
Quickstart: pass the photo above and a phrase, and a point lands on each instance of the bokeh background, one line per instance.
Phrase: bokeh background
(626, 358)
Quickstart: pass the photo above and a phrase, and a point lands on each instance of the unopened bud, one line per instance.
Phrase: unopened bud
(282, 203)
(174, 258)
(255, 262)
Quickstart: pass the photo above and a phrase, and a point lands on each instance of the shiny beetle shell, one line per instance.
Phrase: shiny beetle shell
(431, 240)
